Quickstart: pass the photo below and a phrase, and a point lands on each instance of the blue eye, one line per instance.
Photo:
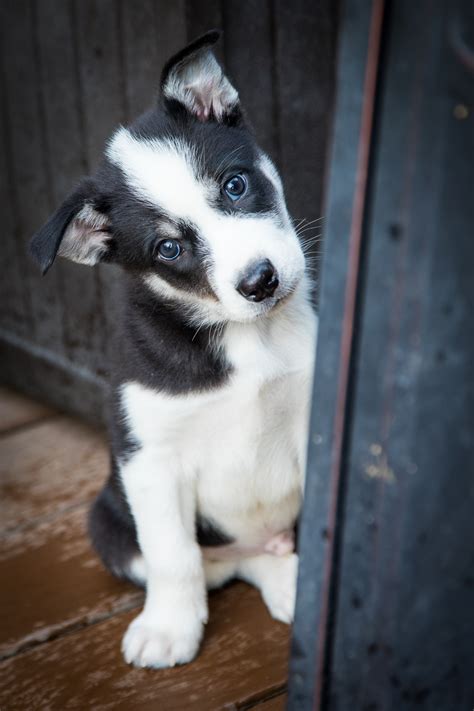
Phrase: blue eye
(236, 187)
(169, 249)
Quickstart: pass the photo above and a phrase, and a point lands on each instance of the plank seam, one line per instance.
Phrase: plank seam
(62, 629)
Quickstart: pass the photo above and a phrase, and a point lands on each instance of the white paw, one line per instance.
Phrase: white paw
(164, 638)
(279, 588)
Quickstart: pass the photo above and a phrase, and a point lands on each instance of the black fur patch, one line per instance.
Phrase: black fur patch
(209, 534)
(160, 350)
(112, 527)
(227, 150)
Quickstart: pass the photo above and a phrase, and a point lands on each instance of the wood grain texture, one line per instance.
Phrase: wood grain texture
(53, 582)
(66, 144)
(305, 40)
(405, 585)
(15, 309)
(152, 30)
(49, 468)
(101, 78)
(251, 25)
(384, 616)
(31, 191)
(243, 657)
(346, 187)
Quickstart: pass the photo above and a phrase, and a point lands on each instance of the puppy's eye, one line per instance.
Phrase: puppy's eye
(236, 187)
(169, 249)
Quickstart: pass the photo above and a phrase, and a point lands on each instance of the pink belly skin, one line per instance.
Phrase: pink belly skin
(280, 544)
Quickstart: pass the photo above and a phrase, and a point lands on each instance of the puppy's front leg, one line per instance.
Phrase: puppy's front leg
(169, 629)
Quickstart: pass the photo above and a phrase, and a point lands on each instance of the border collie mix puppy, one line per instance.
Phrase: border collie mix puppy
(212, 380)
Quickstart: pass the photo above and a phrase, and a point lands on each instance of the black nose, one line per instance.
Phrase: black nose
(259, 282)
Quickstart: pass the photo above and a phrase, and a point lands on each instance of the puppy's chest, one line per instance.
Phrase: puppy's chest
(245, 447)
(240, 446)
(251, 465)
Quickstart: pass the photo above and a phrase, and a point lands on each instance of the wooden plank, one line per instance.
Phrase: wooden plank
(202, 16)
(48, 468)
(359, 52)
(101, 79)
(403, 623)
(15, 309)
(140, 49)
(17, 410)
(65, 137)
(243, 658)
(248, 37)
(100, 72)
(29, 162)
(305, 60)
(152, 30)
(170, 28)
(66, 583)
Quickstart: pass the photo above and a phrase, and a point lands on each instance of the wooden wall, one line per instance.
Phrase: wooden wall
(72, 70)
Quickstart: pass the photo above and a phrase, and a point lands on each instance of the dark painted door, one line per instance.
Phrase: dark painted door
(385, 616)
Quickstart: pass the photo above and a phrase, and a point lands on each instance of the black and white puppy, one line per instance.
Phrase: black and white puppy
(212, 380)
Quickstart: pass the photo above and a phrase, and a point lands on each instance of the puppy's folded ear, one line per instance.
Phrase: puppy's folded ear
(78, 230)
(194, 79)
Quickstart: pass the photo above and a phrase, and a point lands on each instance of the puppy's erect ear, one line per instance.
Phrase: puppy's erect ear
(78, 230)
(194, 78)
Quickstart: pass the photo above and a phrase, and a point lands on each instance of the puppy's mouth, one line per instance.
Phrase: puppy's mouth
(281, 297)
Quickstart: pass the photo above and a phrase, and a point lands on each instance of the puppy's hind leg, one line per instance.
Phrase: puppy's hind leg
(113, 534)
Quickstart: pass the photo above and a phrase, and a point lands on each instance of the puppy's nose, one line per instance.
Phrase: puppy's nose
(259, 282)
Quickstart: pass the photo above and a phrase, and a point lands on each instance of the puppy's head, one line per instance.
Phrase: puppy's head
(187, 201)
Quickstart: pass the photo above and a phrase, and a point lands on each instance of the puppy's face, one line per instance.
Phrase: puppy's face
(187, 201)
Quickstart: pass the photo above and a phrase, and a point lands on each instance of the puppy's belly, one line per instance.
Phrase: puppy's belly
(254, 526)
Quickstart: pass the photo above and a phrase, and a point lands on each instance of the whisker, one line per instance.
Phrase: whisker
(312, 222)
(307, 228)
(197, 331)
(309, 241)
(298, 223)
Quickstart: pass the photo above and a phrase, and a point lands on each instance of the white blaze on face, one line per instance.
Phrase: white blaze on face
(163, 173)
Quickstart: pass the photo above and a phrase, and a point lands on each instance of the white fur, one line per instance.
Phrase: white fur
(164, 174)
(276, 578)
(85, 240)
(236, 455)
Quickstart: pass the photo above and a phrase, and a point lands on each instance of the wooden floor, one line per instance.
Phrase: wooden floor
(63, 615)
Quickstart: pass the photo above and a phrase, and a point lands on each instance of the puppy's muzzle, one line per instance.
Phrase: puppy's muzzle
(259, 282)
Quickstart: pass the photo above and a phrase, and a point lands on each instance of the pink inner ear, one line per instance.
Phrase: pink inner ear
(202, 111)
(203, 100)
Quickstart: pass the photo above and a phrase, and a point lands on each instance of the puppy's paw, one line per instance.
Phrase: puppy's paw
(159, 642)
(279, 588)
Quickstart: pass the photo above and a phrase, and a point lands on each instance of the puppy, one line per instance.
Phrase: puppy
(211, 384)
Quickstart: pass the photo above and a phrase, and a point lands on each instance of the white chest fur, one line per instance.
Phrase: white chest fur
(241, 448)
